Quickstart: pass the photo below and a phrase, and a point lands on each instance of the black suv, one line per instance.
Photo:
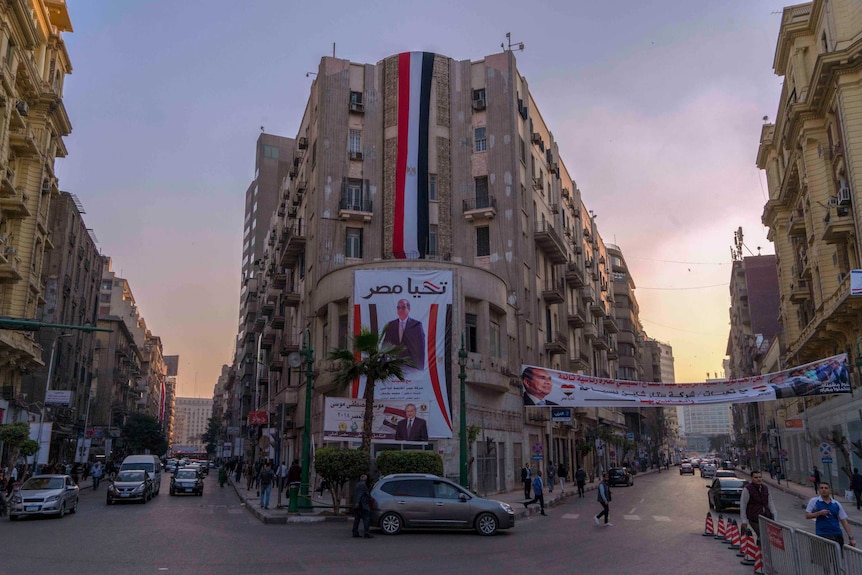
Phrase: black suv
(620, 476)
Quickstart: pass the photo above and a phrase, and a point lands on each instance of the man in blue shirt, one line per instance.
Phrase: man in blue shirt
(829, 516)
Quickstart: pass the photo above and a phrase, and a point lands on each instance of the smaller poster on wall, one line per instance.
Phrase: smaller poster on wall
(394, 421)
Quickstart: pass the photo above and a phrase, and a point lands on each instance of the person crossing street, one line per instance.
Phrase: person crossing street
(538, 491)
(604, 496)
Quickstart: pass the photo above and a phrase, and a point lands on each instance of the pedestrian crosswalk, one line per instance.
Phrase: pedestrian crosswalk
(657, 518)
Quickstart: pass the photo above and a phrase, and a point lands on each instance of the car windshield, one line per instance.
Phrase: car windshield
(35, 483)
(130, 476)
(733, 483)
(187, 474)
(143, 466)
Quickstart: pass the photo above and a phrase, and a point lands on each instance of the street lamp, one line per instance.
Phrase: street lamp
(462, 375)
(45, 399)
(308, 355)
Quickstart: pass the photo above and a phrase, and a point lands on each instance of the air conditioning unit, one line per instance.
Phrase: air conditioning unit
(355, 155)
(302, 143)
(46, 186)
(537, 138)
(844, 195)
(288, 424)
(833, 201)
(479, 104)
(357, 107)
(22, 107)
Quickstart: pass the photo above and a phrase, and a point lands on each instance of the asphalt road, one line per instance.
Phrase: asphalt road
(657, 526)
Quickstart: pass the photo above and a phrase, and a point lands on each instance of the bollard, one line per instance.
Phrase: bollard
(749, 550)
(293, 506)
(734, 537)
(719, 533)
(728, 531)
(708, 528)
(758, 561)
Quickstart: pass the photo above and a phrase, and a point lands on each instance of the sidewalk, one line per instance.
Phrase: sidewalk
(805, 492)
(277, 515)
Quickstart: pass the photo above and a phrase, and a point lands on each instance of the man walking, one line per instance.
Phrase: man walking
(97, 474)
(526, 479)
(856, 486)
(581, 480)
(830, 516)
(538, 491)
(562, 472)
(815, 477)
(605, 500)
(362, 508)
(265, 478)
(552, 472)
(756, 501)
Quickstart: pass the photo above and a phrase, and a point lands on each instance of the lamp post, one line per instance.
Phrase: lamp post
(462, 375)
(308, 355)
(45, 399)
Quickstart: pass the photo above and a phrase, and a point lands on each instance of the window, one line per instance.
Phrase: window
(481, 186)
(355, 142)
(356, 98)
(270, 152)
(353, 247)
(471, 321)
(445, 491)
(483, 241)
(496, 343)
(352, 199)
(479, 95)
(481, 139)
(107, 284)
(432, 239)
(342, 331)
(432, 187)
(105, 298)
(523, 151)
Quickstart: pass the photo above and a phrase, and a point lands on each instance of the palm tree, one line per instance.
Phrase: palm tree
(376, 361)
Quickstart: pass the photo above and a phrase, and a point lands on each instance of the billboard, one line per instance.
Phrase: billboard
(543, 386)
(411, 308)
(57, 397)
(344, 416)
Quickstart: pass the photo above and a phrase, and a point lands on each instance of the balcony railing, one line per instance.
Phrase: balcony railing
(550, 242)
(353, 209)
(481, 207)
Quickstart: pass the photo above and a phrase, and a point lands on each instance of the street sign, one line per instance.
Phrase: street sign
(825, 460)
(825, 449)
(630, 436)
(782, 453)
(537, 457)
(561, 413)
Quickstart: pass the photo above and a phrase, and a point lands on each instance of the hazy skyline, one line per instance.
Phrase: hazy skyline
(657, 108)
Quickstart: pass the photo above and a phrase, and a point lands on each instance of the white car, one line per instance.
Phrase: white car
(707, 471)
(44, 495)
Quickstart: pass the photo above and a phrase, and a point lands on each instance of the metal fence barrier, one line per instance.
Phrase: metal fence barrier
(818, 556)
(852, 561)
(778, 545)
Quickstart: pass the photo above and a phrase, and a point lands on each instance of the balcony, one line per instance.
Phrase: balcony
(612, 351)
(7, 186)
(268, 340)
(579, 362)
(487, 372)
(549, 241)
(480, 208)
(279, 280)
(538, 184)
(574, 275)
(577, 317)
(15, 206)
(23, 142)
(277, 364)
(10, 265)
(800, 290)
(610, 324)
(268, 307)
(556, 343)
(796, 223)
(602, 341)
(288, 346)
(587, 294)
(294, 244)
(591, 331)
(597, 308)
(839, 225)
(355, 210)
(278, 321)
(291, 297)
(554, 291)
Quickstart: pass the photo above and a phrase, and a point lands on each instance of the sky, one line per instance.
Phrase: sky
(657, 107)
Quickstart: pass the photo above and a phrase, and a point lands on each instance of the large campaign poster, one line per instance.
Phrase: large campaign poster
(413, 309)
(544, 386)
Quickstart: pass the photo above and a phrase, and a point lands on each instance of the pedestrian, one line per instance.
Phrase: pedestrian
(552, 473)
(856, 486)
(830, 516)
(538, 491)
(581, 480)
(562, 473)
(362, 508)
(294, 475)
(265, 478)
(778, 473)
(756, 501)
(97, 474)
(85, 470)
(772, 471)
(237, 472)
(74, 474)
(604, 497)
(282, 475)
(815, 479)
(526, 479)
(222, 476)
(249, 476)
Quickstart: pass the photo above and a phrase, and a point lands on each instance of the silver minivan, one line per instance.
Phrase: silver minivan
(149, 463)
(421, 500)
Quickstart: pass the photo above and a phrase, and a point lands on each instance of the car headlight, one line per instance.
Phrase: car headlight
(16, 499)
(52, 498)
(506, 507)
(139, 488)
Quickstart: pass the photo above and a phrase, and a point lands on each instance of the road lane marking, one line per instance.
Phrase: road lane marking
(632, 517)
(633, 510)
(571, 515)
(661, 518)
(642, 500)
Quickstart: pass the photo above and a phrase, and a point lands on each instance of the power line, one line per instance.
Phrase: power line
(683, 288)
(678, 262)
(643, 319)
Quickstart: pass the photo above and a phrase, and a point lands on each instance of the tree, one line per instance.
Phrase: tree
(16, 437)
(389, 462)
(143, 433)
(212, 435)
(376, 361)
(338, 466)
(719, 443)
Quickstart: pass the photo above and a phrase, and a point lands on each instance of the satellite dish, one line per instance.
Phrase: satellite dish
(294, 360)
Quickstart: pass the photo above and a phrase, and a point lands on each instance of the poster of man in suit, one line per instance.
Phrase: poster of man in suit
(408, 333)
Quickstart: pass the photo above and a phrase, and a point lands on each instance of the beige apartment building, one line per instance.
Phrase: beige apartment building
(33, 122)
(812, 157)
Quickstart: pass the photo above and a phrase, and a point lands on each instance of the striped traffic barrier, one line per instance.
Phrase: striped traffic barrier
(708, 529)
(743, 542)
(758, 561)
(719, 533)
(728, 531)
(734, 537)
(749, 550)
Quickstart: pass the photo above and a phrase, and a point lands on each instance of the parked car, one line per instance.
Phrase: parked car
(725, 492)
(187, 480)
(707, 471)
(403, 501)
(130, 485)
(724, 473)
(686, 468)
(44, 495)
(620, 476)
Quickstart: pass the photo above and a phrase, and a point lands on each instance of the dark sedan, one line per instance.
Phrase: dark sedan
(187, 480)
(725, 492)
(130, 485)
(620, 476)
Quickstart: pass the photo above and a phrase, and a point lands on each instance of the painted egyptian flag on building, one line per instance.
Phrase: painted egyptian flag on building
(410, 233)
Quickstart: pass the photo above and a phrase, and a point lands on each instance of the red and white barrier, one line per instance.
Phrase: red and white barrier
(708, 528)
(719, 533)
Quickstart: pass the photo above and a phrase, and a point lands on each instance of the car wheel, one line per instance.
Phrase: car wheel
(62, 512)
(171, 492)
(13, 518)
(486, 524)
(74, 508)
(109, 501)
(391, 523)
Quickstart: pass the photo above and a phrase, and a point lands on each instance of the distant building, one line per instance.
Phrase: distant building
(191, 420)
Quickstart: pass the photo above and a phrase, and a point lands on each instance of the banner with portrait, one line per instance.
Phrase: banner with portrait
(543, 386)
(413, 309)
(344, 416)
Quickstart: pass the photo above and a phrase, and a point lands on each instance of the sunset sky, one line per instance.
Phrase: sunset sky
(657, 108)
